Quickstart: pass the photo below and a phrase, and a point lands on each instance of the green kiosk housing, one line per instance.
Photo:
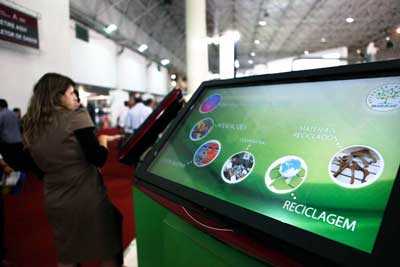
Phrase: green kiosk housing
(290, 169)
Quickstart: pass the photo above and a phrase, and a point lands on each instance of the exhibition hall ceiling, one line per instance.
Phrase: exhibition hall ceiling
(269, 29)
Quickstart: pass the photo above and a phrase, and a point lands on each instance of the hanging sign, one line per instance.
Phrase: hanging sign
(18, 27)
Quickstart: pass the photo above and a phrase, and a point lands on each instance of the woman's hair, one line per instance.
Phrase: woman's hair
(46, 96)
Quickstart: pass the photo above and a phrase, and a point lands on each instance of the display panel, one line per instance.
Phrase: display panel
(320, 155)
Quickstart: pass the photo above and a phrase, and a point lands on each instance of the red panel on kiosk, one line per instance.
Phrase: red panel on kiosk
(148, 132)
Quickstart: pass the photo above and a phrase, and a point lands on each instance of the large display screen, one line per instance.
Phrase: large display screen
(320, 156)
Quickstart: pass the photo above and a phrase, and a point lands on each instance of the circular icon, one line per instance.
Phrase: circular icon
(206, 153)
(286, 174)
(385, 97)
(356, 166)
(201, 129)
(237, 167)
(210, 103)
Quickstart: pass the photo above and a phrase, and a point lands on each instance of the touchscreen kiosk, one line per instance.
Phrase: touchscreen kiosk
(310, 158)
(144, 137)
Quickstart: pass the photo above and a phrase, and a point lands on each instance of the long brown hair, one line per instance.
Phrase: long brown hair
(45, 99)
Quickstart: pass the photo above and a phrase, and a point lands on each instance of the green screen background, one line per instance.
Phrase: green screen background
(270, 116)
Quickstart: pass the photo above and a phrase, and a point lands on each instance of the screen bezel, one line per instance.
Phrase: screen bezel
(339, 253)
(145, 136)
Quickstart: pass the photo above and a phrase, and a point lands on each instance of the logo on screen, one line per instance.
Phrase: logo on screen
(206, 153)
(286, 174)
(385, 97)
(237, 167)
(210, 103)
(356, 166)
(201, 129)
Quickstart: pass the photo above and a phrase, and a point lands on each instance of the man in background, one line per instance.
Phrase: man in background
(149, 101)
(122, 114)
(10, 135)
(136, 116)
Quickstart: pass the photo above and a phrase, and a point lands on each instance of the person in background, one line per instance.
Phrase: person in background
(4, 169)
(122, 114)
(17, 111)
(136, 115)
(10, 135)
(61, 141)
(149, 101)
(92, 112)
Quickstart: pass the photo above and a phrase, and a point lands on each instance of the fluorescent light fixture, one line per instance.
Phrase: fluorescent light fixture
(349, 20)
(164, 62)
(237, 64)
(323, 40)
(262, 23)
(111, 28)
(250, 61)
(257, 42)
(173, 76)
(398, 30)
(143, 48)
(331, 55)
(253, 54)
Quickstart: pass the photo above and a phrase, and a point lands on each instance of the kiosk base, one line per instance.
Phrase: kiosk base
(164, 240)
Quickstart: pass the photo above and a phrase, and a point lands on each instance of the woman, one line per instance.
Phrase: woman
(60, 138)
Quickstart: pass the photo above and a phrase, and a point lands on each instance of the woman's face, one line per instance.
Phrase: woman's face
(69, 99)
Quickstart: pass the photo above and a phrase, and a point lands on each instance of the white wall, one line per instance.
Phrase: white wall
(21, 67)
(157, 80)
(93, 62)
(101, 62)
(131, 71)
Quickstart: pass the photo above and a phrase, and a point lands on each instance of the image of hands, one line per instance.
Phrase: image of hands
(356, 166)
(286, 174)
(237, 167)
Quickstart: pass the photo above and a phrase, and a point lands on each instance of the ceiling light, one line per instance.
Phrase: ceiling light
(398, 30)
(143, 48)
(323, 40)
(262, 23)
(173, 76)
(253, 54)
(387, 38)
(306, 52)
(251, 61)
(257, 42)
(237, 64)
(173, 83)
(331, 55)
(358, 51)
(111, 28)
(164, 62)
(349, 20)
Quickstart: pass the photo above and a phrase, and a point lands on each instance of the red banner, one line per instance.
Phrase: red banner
(17, 27)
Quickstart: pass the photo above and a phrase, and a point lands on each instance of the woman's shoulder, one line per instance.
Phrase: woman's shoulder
(79, 119)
